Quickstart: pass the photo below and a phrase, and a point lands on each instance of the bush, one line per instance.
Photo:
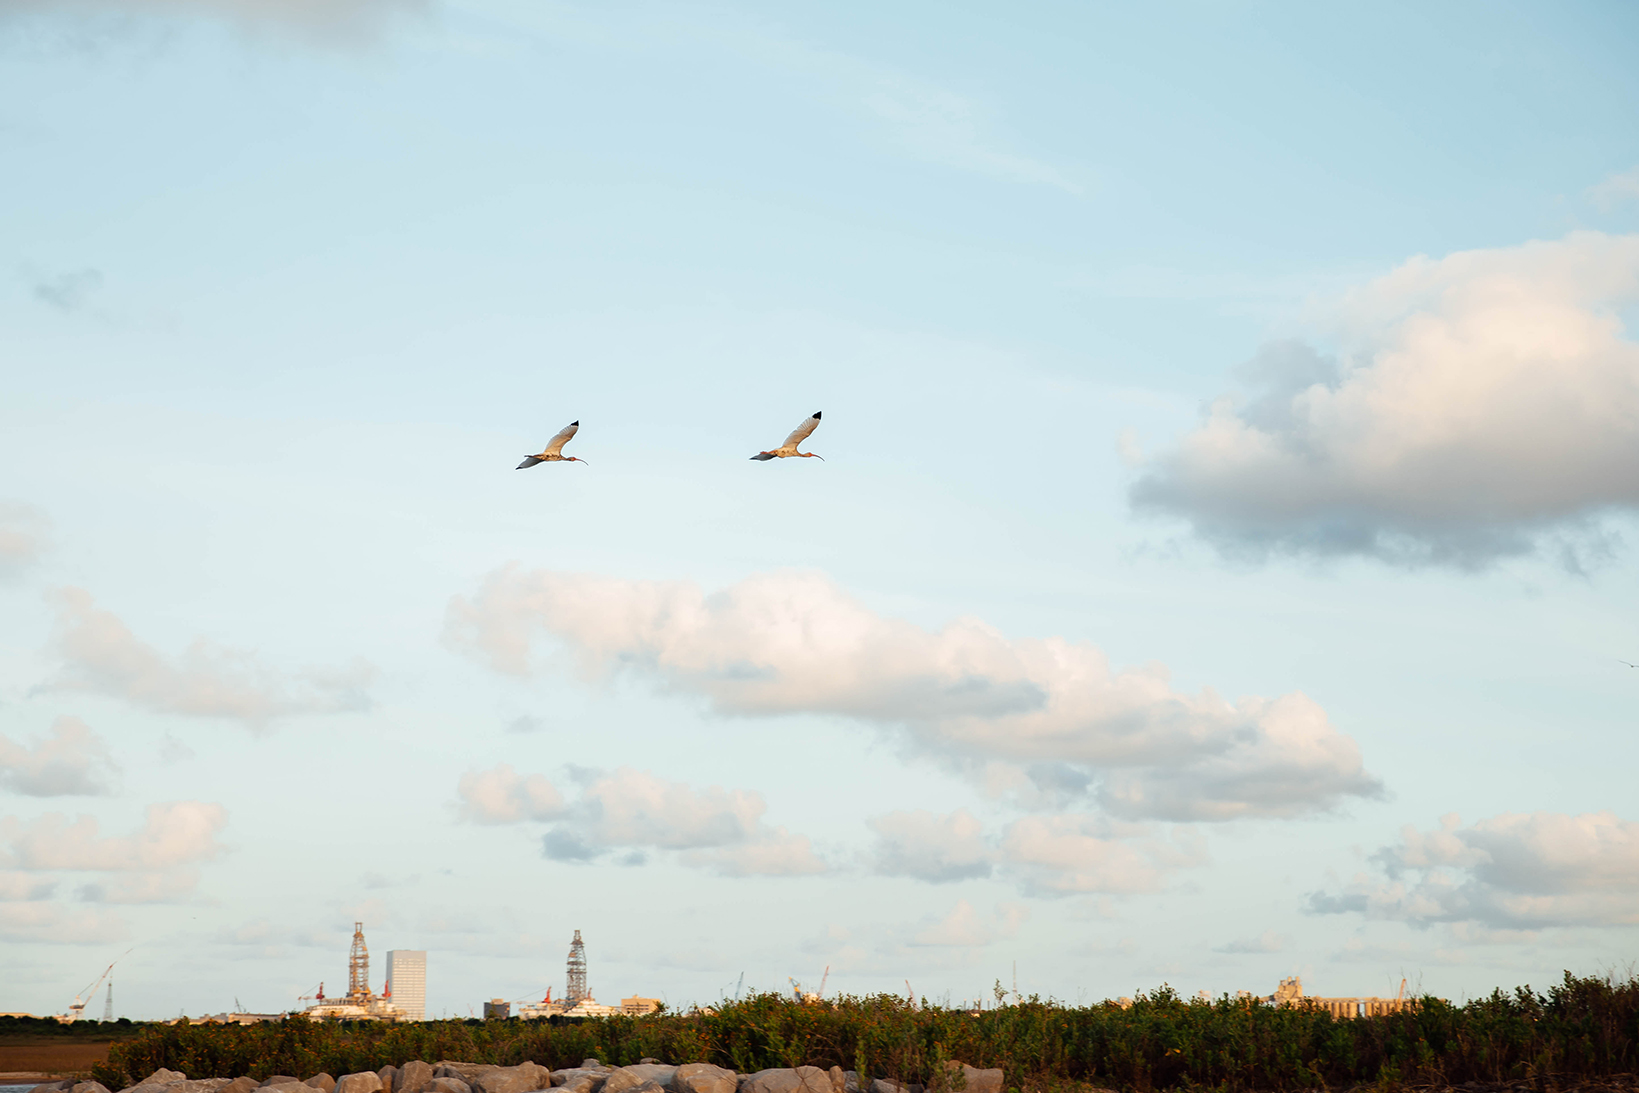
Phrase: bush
(1582, 1028)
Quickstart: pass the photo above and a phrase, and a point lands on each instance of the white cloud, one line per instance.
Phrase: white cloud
(1073, 855)
(1047, 720)
(1515, 871)
(1479, 404)
(631, 812)
(501, 795)
(157, 864)
(102, 656)
(24, 531)
(1061, 855)
(73, 760)
(1617, 188)
(326, 21)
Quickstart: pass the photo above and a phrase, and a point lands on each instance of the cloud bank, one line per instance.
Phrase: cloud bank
(1044, 720)
(1517, 870)
(1478, 404)
(631, 813)
(71, 761)
(102, 656)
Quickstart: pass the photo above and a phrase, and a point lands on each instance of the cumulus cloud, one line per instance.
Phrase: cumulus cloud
(66, 291)
(1478, 405)
(102, 656)
(157, 864)
(71, 761)
(1046, 720)
(1067, 854)
(324, 21)
(630, 813)
(1516, 871)
(24, 530)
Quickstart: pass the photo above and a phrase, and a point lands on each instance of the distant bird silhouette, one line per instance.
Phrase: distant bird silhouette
(798, 435)
(553, 452)
(1629, 663)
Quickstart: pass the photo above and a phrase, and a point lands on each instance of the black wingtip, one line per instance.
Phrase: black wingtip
(576, 423)
(816, 415)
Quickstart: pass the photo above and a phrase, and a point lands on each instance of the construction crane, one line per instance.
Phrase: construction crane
(739, 985)
(823, 979)
(76, 1009)
(1401, 997)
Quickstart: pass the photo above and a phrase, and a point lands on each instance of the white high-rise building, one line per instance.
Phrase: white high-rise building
(407, 981)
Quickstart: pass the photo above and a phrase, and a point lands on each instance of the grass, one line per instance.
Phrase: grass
(1584, 1028)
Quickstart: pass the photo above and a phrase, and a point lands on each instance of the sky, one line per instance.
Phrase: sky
(1221, 567)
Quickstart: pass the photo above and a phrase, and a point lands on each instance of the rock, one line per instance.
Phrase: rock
(581, 1079)
(245, 1084)
(467, 1072)
(630, 1077)
(648, 1087)
(199, 1085)
(413, 1077)
(365, 1081)
(645, 1062)
(280, 1079)
(323, 1082)
(974, 1080)
(704, 1078)
(589, 1064)
(389, 1077)
(448, 1085)
(164, 1077)
(523, 1078)
(286, 1087)
(803, 1079)
(87, 1087)
(51, 1087)
(888, 1085)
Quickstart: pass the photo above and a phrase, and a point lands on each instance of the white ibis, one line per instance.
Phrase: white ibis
(553, 453)
(798, 435)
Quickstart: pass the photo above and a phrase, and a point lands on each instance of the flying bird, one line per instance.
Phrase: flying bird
(553, 453)
(798, 435)
(1629, 663)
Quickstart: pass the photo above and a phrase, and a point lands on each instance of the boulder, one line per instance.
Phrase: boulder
(280, 1079)
(365, 1081)
(523, 1078)
(582, 1079)
(888, 1085)
(448, 1085)
(286, 1087)
(198, 1085)
(50, 1087)
(648, 1087)
(802, 1079)
(389, 1077)
(972, 1079)
(87, 1087)
(630, 1077)
(244, 1084)
(589, 1064)
(323, 1082)
(413, 1077)
(164, 1077)
(704, 1078)
(467, 1072)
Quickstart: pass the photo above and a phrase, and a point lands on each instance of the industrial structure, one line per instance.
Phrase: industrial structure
(407, 982)
(575, 989)
(359, 1004)
(1290, 993)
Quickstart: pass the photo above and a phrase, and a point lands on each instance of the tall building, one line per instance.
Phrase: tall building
(407, 981)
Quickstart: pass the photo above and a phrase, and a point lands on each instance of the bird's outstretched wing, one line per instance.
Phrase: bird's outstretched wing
(555, 445)
(803, 431)
(763, 457)
(529, 461)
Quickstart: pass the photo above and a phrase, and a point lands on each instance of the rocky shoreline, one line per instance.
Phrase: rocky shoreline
(648, 1076)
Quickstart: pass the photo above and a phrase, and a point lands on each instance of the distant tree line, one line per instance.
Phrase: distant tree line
(1584, 1028)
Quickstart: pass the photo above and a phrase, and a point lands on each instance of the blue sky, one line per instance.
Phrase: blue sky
(1229, 474)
